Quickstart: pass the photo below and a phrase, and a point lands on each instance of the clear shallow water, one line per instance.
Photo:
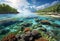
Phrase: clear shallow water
(3, 16)
(15, 26)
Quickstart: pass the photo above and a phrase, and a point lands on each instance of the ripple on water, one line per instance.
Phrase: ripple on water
(57, 22)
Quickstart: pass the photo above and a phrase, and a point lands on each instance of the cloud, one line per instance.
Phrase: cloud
(54, 2)
(42, 6)
(46, 5)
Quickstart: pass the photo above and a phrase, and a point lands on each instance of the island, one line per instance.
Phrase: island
(6, 9)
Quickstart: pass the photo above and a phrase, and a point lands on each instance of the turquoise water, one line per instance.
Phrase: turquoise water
(16, 25)
(4, 16)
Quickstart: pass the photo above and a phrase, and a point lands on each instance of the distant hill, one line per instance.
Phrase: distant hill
(5, 9)
(54, 8)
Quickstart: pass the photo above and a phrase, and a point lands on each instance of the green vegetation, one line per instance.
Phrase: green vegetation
(7, 9)
(54, 8)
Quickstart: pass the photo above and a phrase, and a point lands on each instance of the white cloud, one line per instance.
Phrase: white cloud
(46, 5)
(54, 2)
(42, 6)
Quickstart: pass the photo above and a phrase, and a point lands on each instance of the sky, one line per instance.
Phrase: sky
(24, 6)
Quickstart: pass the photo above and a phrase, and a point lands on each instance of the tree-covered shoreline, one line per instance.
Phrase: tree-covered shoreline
(6, 9)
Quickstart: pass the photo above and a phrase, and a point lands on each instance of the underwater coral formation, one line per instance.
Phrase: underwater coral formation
(32, 30)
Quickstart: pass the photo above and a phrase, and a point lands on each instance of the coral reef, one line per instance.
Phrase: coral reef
(31, 30)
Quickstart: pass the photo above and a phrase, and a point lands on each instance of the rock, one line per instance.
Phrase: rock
(4, 32)
(21, 40)
(21, 20)
(2, 27)
(22, 28)
(41, 39)
(18, 36)
(45, 22)
(5, 39)
(37, 20)
(39, 25)
(27, 24)
(56, 25)
(27, 36)
(31, 36)
(26, 29)
(28, 33)
(43, 29)
(10, 37)
(35, 35)
(55, 32)
(50, 33)
(34, 32)
(23, 36)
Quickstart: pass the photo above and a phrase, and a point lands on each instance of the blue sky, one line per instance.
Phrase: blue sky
(40, 2)
(29, 5)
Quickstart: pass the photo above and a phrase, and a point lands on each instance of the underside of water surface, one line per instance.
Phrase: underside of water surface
(52, 25)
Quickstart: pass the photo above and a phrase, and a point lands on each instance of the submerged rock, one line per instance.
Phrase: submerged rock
(27, 36)
(18, 36)
(22, 28)
(35, 35)
(26, 29)
(39, 25)
(10, 37)
(2, 27)
(56, 25)
(27, 24)
(41, 39)
(45, 22)
(2, 32)
(34, 32)
(43, 29)
(21, 21)
(37, 20)
(31, 36)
